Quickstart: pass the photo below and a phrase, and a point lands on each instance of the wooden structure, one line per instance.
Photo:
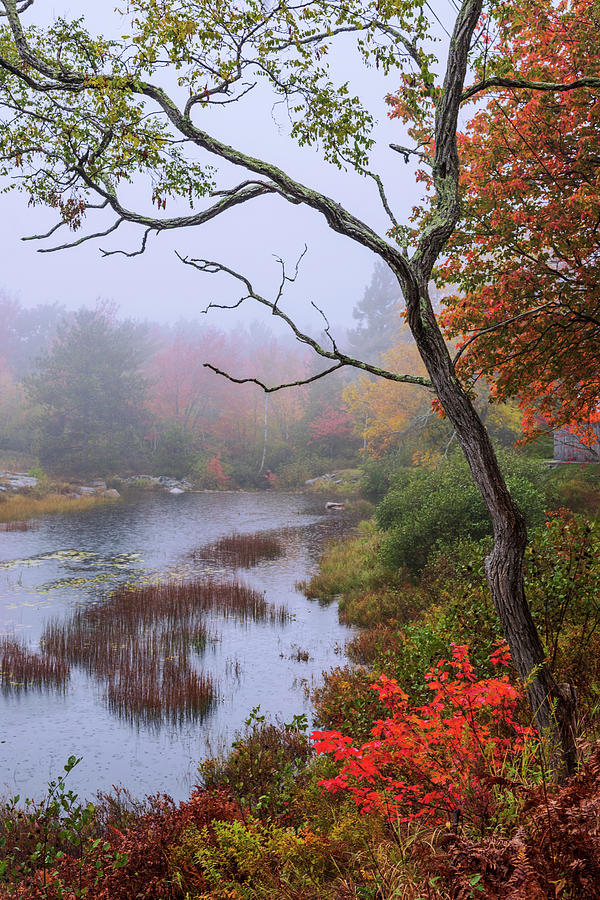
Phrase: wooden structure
(568, 447)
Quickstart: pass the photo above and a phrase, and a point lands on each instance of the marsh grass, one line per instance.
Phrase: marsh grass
(349, 567)
(16, 526)
(143, 643)
(242, 550)
(19, 507)
(22, 668)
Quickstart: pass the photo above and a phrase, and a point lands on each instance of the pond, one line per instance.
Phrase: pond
(63, 573)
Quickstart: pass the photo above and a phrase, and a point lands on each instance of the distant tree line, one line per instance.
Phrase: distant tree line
(88, 393)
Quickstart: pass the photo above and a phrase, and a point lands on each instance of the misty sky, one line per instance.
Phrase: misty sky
(156, 285)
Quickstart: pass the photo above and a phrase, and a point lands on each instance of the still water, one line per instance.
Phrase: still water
(69, 561)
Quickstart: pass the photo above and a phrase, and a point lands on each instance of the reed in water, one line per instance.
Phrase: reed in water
(143, 642)
(22, 668)
(241, 550)
(16, 526)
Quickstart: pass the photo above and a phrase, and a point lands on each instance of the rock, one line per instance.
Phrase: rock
(334, 504)
(16, 481)
(176, 490)
(111, 494)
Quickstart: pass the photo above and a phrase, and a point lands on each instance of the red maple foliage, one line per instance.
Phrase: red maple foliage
(438, 761)
(214, 469)
(526, 258)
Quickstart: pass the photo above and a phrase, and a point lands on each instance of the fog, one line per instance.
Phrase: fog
(157, 286)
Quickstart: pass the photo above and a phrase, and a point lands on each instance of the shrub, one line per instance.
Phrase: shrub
(554, 853)
(392, 606)
(429, 507)
(265, 765)
(51, 848)
(562, 581)
(255, 860)
(375, 481)
(345, 701)
(439, 761)
(575, 487)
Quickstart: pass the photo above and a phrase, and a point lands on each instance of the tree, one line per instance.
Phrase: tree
(183, 392)
(92, 395)
(525, 258)
(97, 114)
(384, 411)
(378, 315)
(331, 431)
(26, 333)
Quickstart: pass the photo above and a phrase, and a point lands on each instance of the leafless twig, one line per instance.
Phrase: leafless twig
(139, 252)
(335, 354)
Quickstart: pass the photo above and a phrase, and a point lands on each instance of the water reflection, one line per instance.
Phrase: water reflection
(67, 568)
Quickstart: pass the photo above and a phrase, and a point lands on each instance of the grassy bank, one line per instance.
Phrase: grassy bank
(21, 507)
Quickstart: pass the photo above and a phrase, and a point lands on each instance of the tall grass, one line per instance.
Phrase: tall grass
(19, 507)
(349, 567)
(143, 642)
(22, 668)
(242, 550)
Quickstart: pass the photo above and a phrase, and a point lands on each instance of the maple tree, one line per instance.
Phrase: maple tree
(215, 472)
(437, 761)
(183, 391)
(331, 429)
(198, 411)
(96, 113)
(525, 258)
(382, 410)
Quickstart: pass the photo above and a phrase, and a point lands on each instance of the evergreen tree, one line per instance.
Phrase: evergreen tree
(377, 315)
(91, 395)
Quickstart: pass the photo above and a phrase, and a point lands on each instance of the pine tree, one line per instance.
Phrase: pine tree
(377, 315)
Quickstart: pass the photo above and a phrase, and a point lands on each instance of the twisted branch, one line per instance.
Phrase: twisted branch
(335, 354)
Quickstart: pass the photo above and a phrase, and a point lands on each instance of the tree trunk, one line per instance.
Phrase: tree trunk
(553, 705)
(265, 435)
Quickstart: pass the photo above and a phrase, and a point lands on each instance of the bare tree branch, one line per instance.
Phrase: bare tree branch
(139, 252)
(21, 9)
(205, 96)
(62, 223)
(210, 267)
(520, 83)
(83, 240)
(523, 315)
(384, 200)
(407, 152)
(287, 278)
(277, 387)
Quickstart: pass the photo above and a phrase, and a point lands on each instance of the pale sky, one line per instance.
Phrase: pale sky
(157, 286)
